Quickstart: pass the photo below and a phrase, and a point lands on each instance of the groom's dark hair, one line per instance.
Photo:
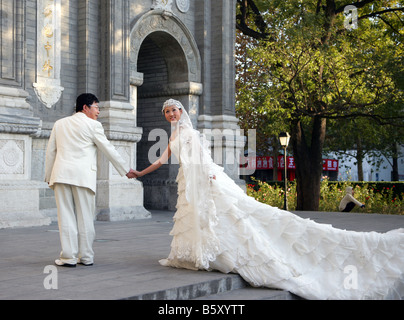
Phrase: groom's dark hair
(85, 99)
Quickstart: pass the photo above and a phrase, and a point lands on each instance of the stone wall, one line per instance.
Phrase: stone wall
(132, 54)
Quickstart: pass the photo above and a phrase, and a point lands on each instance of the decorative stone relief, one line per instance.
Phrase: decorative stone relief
(11, 157)
(47, 87)
(183, 5)
(162, 5)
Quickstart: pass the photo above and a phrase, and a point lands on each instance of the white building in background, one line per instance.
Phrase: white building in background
(348, 169)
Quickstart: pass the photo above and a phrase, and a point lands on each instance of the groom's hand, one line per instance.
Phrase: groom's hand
(131, 174)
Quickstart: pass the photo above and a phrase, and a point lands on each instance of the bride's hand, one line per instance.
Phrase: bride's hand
(131, 174)
(138, 174)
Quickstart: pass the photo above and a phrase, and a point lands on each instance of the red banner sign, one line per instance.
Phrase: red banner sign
(267, 163)
(330, 165)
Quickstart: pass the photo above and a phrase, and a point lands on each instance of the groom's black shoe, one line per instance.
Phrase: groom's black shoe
(85, 264)
(60, 263)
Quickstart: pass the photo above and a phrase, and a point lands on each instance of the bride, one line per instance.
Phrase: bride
(218, 227)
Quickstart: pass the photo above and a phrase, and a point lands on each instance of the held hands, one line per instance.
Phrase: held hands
(131, 174)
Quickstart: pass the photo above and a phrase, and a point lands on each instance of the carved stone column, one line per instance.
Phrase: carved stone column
(19, 195)
(117, 198)
(216, 36)
(47, 86)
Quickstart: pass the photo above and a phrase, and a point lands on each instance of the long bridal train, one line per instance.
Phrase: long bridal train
(218, 227)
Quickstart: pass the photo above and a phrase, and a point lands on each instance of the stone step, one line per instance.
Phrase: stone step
(250, 293)
(226, 283)
(228, 287)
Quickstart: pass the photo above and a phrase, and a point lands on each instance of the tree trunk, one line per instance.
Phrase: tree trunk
(359, 158)
(394, 173)
(309, 163)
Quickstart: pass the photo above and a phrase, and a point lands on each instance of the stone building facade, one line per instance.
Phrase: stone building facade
(132, 54)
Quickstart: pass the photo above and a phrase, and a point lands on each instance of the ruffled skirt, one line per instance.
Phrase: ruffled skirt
(274, 248)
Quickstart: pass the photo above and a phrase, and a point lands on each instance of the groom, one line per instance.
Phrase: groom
(71, 171)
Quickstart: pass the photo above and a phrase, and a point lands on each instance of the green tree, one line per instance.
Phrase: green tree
(253, 105)
(361, 138)
(323, 64)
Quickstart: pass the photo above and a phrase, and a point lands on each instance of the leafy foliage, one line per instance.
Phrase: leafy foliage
(306, 67)
(384, 200)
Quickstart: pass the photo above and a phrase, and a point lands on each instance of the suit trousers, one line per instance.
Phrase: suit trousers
(76, 212)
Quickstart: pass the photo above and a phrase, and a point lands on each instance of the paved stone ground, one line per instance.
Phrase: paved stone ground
(126, 264)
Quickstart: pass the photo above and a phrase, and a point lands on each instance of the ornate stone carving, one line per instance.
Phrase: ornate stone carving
(47, 87)
(11, 157)
(49, 94)
(162, 5)
(19, 124)
(183, 5)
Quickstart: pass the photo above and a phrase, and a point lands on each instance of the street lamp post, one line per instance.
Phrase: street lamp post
(284, 138)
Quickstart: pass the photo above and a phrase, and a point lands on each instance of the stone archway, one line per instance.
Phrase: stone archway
(164, 63)
(161, 21)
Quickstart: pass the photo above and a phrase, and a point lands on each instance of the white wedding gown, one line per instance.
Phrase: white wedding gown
(218, 227)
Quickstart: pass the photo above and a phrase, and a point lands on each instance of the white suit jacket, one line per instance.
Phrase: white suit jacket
(71, 155)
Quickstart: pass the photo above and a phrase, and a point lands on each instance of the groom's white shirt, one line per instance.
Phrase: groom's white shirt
(71, 156)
